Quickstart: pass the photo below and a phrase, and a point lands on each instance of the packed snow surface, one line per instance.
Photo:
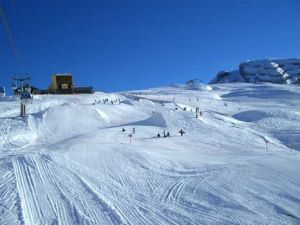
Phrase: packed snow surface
(69, 162)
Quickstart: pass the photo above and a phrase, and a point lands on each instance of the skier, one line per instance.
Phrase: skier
(133, 130)
(130, 137)
(168, 134)
(184, 109)
(123, 130)
(200, 113)
(266, 142)
(197, 111)
(181, 132)
(158, 135)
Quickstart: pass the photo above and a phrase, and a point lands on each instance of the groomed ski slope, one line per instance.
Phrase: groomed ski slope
(69, 162)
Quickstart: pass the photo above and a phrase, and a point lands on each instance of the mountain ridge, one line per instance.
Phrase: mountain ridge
(279, 71)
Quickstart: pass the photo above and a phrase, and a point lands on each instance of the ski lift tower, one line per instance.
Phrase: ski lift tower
(25, 96)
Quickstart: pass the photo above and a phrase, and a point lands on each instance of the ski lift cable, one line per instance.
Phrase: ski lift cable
(11, 40)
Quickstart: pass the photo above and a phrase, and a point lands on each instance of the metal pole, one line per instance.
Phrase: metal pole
(23, 110)
(22, 105)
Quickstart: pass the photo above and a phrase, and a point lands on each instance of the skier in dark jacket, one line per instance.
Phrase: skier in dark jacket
(181, 132)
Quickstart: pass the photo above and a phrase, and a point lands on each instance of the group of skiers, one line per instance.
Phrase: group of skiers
(164, 133)
(133, 130)
(106, 100)
(198, 112)
(167, 134)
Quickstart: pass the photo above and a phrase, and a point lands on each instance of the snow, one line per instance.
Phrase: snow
(68, 161)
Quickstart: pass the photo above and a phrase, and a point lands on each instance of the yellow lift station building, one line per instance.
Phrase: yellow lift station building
(63, 84)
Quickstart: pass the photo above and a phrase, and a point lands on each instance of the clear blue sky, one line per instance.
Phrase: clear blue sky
(121, 45)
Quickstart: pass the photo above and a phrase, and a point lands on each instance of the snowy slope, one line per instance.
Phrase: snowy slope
(69, 162)
(280, 71)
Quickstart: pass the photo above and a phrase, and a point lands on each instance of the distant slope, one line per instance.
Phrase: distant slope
(279, 71)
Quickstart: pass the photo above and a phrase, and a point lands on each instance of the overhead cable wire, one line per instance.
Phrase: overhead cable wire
(11, 40)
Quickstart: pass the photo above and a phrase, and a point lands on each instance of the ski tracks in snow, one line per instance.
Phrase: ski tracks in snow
(52, 194)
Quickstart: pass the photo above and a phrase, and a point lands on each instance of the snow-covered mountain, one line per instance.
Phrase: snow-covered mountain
(76, 159)
(280, 71)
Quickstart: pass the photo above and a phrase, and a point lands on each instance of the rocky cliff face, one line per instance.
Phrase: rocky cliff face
(281, 71)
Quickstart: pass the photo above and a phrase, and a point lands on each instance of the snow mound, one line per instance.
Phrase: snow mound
(156, 120)
(209, 88)
(250, 116)
(127, 102)
(64, 121)
(194, 85)
(264, 93)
